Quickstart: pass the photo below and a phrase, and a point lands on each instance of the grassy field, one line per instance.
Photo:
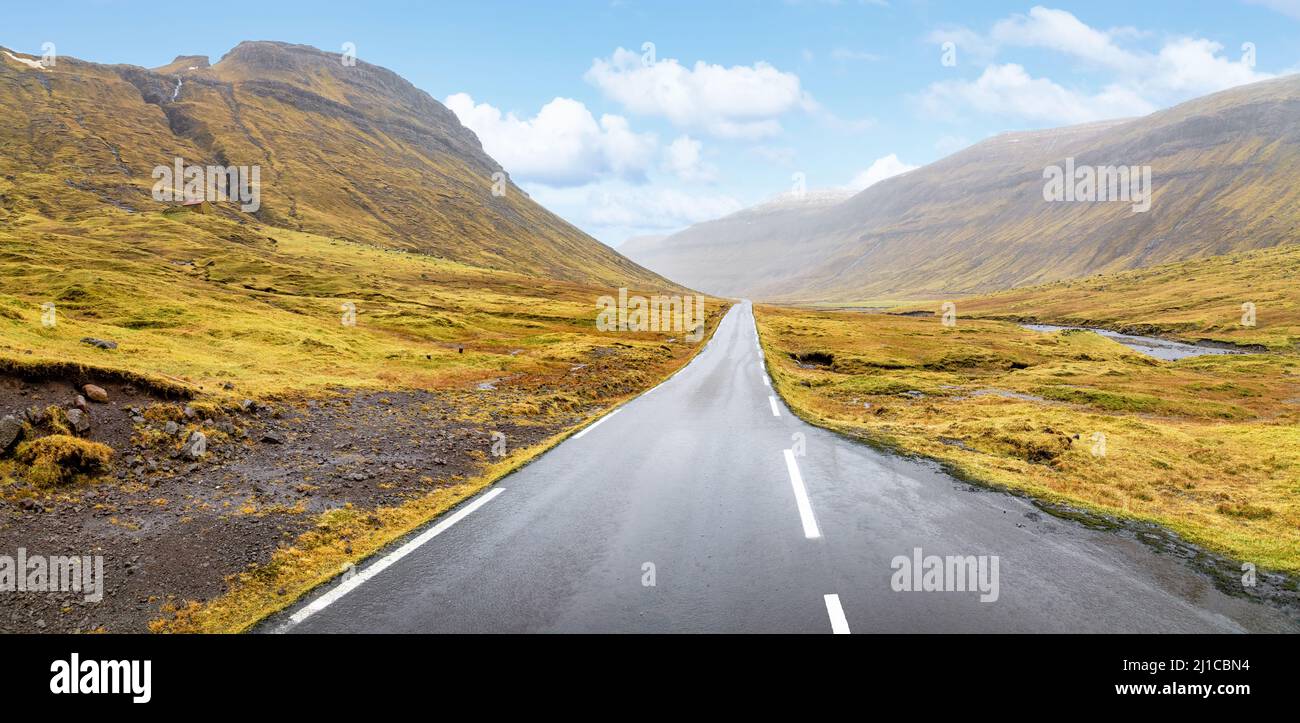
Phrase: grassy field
(1192, 300)
(217, 311)
(203, 302)
(1208, 447)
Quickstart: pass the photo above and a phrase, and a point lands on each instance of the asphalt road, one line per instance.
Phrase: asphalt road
(684, 512)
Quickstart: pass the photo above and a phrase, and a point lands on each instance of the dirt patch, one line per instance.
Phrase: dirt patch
(813, 359)
(171, 527)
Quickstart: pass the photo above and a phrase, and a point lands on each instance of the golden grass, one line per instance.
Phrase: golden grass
(198, 302)
(1208, 446)
(60, 459)
(342, 537)
(1192, 300)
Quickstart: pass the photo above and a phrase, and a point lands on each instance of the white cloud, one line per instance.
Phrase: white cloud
(742, 101)
(683, 158)
(1141, 81)
(1062, 32)
(1191, 65)
(613, 211)
(563, 145)
(1009, 90)
(882, 168)
(659, 208)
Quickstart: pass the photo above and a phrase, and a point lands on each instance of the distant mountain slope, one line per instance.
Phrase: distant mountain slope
(727, 255)
(1201, 299)
(348, 152)
(1225, 171)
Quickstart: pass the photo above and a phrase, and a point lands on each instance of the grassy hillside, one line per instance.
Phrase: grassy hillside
(1223, 180)
(1192, 301)
(474, 346)
(207, 301)
(1208, 446)
(212, 312)
(352, 153)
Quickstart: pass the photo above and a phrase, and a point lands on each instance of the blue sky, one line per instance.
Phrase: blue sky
(739, 96)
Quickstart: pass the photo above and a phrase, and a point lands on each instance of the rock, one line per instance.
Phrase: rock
(171, 428)
(36, 416)
(190, 413)
(99, 343)
(79, 420)
(227, 386)
(272, 436)
(196, 446)
(95, 394)
(11, 433)
(248, 406)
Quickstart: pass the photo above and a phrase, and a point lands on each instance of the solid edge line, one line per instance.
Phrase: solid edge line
(600, 421)
(810, 530)
(344, 587)
(357, 580)
(839, 625)
(776, 412)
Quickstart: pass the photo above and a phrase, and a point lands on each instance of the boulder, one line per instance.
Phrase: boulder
(196, 447)
(272, 436)
(95, 394)
(11, 433)
(79, 420)
(99, 343)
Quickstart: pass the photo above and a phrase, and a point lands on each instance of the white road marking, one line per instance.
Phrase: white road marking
(355, 581)
(839, 625)
(810, 530)
(766, 381)
(598, 422)
(775, 411)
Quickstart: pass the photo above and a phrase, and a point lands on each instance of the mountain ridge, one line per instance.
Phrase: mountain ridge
(975, 221)
(350, 152)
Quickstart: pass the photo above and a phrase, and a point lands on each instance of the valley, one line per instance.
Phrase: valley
(1204, 446)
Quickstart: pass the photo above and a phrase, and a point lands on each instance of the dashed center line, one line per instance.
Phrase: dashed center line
(839, 625)
(810, 530)
(776, 411)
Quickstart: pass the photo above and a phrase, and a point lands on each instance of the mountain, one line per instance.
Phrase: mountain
(635, 244)
(350, 152)
(725, 256)
(1223, 178)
